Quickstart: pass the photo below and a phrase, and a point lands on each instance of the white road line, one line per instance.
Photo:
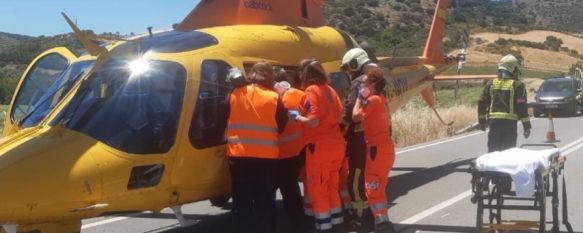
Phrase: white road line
(440, 142)
(569, 148)
(438, 207)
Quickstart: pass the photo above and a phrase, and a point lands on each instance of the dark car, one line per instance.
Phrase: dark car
(560, 95)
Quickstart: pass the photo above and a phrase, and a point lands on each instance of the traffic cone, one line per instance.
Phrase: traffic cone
(551, 138)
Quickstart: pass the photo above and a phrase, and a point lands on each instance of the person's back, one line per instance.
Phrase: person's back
(502, 104)
(320, 112)
(255, 119)
(323, 102)
(255, 108)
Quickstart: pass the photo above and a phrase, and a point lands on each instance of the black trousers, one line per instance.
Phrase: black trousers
(253, 188)
(502, 135)
(288, 172)
(356, 153)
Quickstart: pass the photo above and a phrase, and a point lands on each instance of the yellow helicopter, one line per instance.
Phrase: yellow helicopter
(138, 125)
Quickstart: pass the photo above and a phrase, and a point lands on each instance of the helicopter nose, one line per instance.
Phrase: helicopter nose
(43, 176)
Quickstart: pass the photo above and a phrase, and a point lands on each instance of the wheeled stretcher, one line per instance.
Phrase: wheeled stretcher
(494, 174)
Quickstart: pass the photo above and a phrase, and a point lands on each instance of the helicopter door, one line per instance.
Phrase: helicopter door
(36, 79)
(202, 166)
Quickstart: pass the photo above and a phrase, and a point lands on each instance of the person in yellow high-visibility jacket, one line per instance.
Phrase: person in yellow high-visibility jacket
(502, 104)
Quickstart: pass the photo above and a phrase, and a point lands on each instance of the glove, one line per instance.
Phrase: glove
(361, 98)
(526, 133)
(363, 93)
(294, 114)
(483, 126)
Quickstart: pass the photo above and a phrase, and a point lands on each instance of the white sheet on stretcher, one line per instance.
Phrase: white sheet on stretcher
(520, 164)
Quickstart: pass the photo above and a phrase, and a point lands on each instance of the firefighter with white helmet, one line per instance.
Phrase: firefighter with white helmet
(502, 104)
(355, 62)
(355, 59)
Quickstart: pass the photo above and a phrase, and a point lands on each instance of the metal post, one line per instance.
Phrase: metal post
(542, 196)
(555, 202)
(480, 200)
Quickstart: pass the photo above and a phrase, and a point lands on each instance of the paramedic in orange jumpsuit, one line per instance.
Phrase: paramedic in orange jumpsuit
(372, 109)
(291, 155)
(320, 111)
(256, 117)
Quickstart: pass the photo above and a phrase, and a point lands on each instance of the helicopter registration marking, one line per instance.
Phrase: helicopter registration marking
(258, 5)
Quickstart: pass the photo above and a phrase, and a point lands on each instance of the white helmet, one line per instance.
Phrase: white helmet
(509, 63)
(355, 58)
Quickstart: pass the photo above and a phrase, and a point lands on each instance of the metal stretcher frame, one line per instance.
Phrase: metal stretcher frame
(492, 197)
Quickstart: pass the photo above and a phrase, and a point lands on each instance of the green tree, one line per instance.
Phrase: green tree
(553, 43)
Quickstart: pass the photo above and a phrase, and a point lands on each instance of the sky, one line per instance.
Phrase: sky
(43, 17)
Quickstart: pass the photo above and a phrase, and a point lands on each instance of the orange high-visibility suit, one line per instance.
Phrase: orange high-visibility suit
(324, 155)
(343, 186)
(291, 160)
(290, 140)
(380, 155)
(252, 128)
(253, 151)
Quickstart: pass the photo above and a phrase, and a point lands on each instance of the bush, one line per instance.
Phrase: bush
(553, 43)
(372, 3)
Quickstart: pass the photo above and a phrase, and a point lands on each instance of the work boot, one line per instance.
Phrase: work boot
(386, 227)
(309, 225)
(326, 231)
(339, 228)
(366, 222)
(351, 220)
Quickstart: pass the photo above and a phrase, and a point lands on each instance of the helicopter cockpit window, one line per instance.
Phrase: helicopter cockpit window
(131, 106)
(209, 120)
(173, 42)
(341, 84)
(43, 74)
(55, 93)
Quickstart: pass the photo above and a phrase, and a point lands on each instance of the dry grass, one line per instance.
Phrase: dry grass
(535, 59)
(572, 42)
(413, 125)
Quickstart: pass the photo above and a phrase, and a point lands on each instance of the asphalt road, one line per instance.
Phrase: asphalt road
(429, 189)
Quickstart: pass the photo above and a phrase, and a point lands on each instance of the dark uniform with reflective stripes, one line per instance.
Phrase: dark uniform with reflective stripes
(501, 105)
(355, 152)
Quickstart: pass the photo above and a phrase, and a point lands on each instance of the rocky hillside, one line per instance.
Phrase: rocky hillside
(7, 39)
(399, 26)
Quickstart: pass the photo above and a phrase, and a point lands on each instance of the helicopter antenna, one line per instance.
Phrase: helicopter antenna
(85, 39)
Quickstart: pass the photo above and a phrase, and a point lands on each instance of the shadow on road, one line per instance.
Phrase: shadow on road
(219, 223)
(400, 185)
(406, 228)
